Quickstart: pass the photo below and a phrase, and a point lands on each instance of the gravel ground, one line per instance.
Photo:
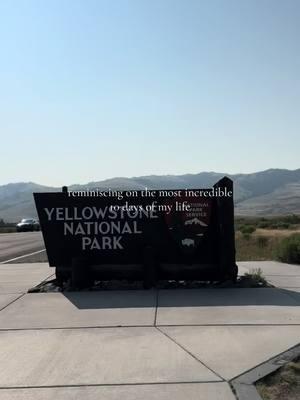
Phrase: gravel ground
(54, 286)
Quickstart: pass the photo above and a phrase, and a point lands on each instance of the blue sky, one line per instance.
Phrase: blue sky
(95, 89)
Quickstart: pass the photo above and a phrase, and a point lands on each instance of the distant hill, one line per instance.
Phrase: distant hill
(270, 192)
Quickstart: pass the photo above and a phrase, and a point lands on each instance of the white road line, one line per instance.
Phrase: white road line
(25, 255)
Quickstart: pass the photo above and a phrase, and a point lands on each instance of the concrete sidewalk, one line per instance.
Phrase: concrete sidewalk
(140, 344)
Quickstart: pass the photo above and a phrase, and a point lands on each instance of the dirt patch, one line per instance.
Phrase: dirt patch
(283, 384)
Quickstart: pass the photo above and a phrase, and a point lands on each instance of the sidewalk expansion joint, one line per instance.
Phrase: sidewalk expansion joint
(156, 308)
(191, 354)
(109, 384)
(13, 301)
(226, 325)
(132, 326)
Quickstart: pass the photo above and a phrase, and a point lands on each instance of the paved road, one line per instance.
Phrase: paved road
(17, 244)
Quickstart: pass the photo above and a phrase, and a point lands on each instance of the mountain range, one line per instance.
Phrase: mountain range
(264, 193)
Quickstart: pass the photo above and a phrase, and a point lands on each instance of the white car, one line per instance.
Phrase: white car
(28, 224)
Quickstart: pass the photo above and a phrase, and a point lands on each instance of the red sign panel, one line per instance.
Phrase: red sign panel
(188, 227)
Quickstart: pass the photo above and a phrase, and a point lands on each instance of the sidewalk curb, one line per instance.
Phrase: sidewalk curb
(244, 385)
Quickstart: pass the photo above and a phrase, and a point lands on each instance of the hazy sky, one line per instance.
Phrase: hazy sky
(96, 89)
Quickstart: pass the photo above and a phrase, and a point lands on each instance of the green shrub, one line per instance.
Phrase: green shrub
(263, 225)
(289, 249)
(246, 236)
(292, 219)
(281, 225)
(247, 229)
(257, 277)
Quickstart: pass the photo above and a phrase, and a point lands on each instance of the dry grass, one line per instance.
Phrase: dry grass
(276, 232)
(283, 385)
(262, 243)
(253, 248)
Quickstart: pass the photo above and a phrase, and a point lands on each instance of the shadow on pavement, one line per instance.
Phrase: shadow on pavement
(184, 298)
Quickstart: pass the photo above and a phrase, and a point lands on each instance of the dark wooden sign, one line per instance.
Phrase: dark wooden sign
(140, 235)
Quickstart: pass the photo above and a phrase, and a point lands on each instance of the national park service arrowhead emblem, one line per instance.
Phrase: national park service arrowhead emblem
(188, 227)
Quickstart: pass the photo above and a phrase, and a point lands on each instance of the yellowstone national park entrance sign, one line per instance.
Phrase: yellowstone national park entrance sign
(140, 235)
